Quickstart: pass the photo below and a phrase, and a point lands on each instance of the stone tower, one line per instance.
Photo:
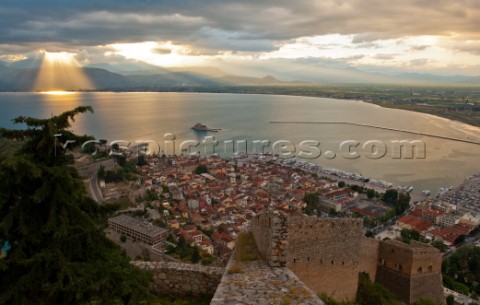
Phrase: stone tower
(328, 253)
(324, 254)
(410, 271)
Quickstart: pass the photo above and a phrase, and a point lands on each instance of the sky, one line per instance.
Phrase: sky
(249, 37)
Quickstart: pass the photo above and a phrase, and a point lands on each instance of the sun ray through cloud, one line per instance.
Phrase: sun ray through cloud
(60, 72)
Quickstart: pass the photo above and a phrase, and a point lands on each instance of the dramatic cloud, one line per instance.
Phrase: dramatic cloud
(362, 32)
(127, 21)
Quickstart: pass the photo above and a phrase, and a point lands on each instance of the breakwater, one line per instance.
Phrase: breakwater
(380, 127)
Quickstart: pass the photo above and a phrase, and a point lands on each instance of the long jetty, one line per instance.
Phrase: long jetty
(380, 127)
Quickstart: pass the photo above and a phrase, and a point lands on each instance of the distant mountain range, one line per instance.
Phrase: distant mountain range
(18, 77)
(24, 80)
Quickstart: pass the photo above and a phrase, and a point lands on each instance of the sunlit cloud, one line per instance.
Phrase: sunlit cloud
(13, 57)
(400, 52)
(160, 54)
(167, 54)
(243, 34)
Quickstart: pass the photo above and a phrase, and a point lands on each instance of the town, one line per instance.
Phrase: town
(198, 204)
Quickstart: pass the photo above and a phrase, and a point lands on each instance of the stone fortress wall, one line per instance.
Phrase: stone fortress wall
(183, 279)
(256, 282)
(410, 271)
(369, 256)
(328, 253)
(271, 235)
(325, 254)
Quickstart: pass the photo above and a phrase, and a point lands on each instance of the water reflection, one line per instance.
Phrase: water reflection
(54, 104)
(148, 116)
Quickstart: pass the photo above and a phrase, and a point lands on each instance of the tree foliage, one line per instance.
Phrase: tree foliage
(58, 255)
(461, 271)
(195, 256)
(399, 200)
(201, 169)
(406, 235)
(426, 302)
(440, 245)
(390, 196)
(330, 301)
(371, 193)
(141, 160)
(370, 293)
(311, 199)
(184, 251)
(42, 144)
(450, 300)
(101, 172)
(460, 239)
(402, 203)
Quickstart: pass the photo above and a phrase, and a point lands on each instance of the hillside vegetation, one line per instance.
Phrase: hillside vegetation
(461, 271)
(58, 253)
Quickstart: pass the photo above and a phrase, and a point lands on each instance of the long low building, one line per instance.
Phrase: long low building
(138, 229)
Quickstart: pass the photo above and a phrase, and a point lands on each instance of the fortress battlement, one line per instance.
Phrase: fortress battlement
(327, 254)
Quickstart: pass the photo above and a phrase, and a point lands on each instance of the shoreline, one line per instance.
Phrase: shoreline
(270, 94)
(361, 97)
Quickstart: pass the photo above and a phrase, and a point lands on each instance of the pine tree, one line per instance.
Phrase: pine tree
(58, 255)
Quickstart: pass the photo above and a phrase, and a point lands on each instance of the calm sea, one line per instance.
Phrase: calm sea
(148, 116)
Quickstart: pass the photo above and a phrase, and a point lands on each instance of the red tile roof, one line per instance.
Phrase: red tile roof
(448, 234)
(415, 223)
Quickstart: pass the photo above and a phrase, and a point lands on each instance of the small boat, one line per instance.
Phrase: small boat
(202, 127)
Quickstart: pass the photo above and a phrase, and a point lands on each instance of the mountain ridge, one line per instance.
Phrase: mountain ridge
(23, 79)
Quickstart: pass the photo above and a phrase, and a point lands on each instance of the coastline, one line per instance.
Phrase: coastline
(378, 97)
(347, 103)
